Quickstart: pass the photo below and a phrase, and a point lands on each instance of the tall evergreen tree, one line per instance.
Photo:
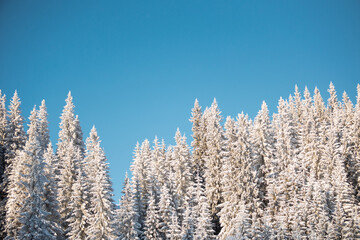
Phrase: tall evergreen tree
(214, 138)
(102, 225)
(198, 144)
(152, 220)
(43, 126)
(70, 141)
(79, 218)
(51, 193)
(34, 217)
(182, 171)
(127, 214)
(16, 190)
(202, 212)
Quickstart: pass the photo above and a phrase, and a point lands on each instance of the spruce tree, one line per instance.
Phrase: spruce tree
(203, 224)
(214, 138)
(70, 141)
(78, 219)
(34, 221)
(102, 208)
(16, 191)
(152, 220)
(51, 193)
(127, 214)
(198, 144)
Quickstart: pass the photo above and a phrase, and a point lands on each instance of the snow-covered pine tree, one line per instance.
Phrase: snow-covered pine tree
(202, 214)
(78, 216)
(15, 134)
(181, 165)
(318, 214)
(320, 137)
(343, 222)
(102, 208)
(159, 165)
(140, 179)
(67, 179)
(70, 141)
(43, 126)
(139, 208)
(127, 214)
(214, 137)
(265, 167)
(166, 207)
(16, 192)
(285, 182)
(230, 171)
(198, 144)
(51, 192)
(237, 176)
(15, 141)
(347, 146)
(34, 223)
(152, 231)
(187, 228)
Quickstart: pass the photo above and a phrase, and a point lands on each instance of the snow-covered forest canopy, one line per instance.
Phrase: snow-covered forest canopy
(292, 175)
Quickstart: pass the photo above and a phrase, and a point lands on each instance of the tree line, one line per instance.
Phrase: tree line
(292, 175)
(295, 175)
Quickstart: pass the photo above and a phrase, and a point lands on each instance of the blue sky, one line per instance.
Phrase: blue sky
(136, 67)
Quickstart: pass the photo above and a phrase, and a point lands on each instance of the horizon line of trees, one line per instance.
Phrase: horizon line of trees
(295, 175)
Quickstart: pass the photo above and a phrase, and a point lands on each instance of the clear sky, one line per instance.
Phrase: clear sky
(136, 67)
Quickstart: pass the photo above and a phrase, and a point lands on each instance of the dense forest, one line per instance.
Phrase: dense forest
(292, 175)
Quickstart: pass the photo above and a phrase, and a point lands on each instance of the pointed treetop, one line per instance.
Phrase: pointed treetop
(15, 96)
(307, 94)
(264, 107)
(297, 93)
(332, 102)
(42, 111)
(15, 102)
(93, 131)
(33, 125)
(214, 103)
(43, 104)
(347, 102)
(196, 104)
(178, 136)
(69, 102)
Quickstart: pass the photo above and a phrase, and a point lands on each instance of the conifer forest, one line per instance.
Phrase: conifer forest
(294, 174)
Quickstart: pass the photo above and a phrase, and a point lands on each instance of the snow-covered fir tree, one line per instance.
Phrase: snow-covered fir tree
(15, 138)
(34, 222)
(70, 142)
(127, 214)
(214, 138)
(198, 144)
(51, 193)
(79, 215)
(102, 217)
(152, 220)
